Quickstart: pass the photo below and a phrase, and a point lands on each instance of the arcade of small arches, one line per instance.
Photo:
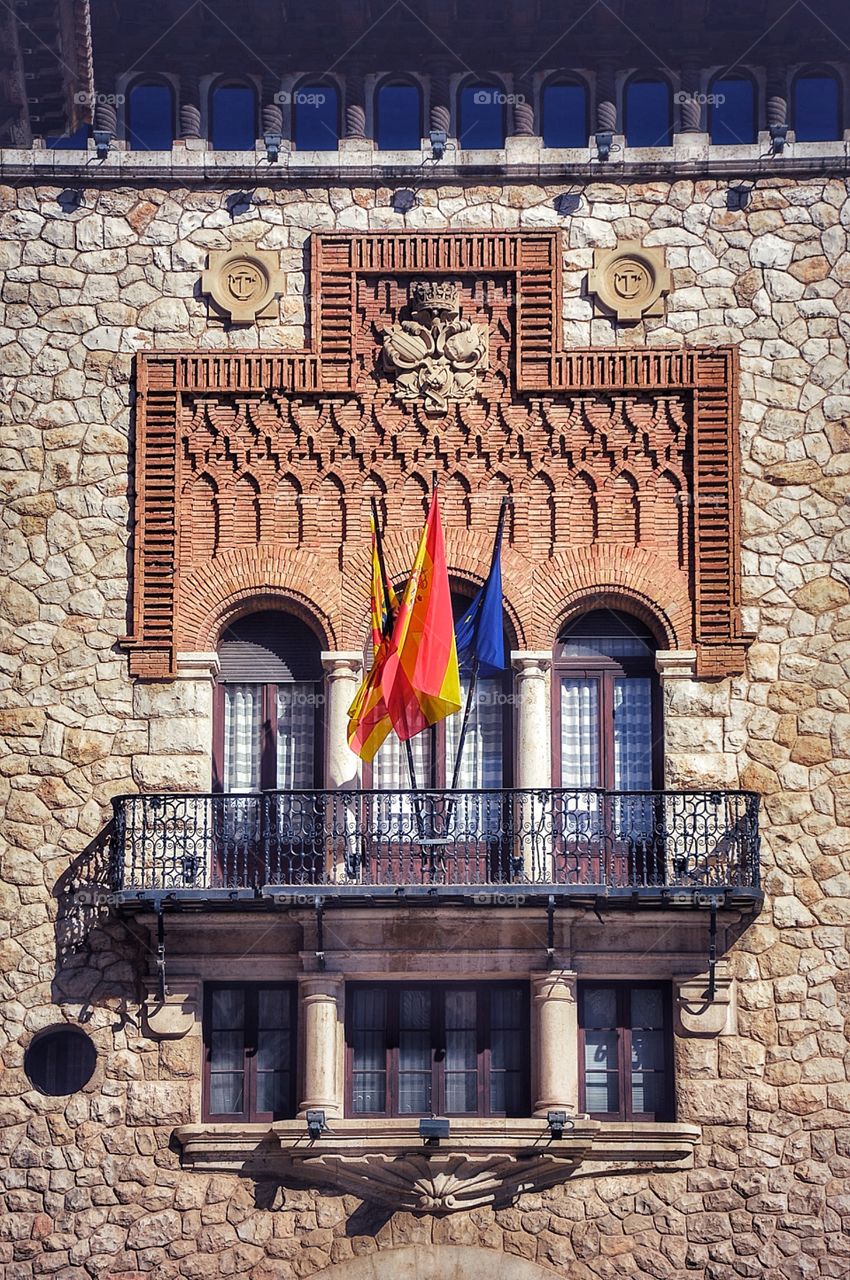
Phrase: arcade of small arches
(564, 108)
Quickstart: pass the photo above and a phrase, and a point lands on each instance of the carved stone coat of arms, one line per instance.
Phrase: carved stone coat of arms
(436, 356)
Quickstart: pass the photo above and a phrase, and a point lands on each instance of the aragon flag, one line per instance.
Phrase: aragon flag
(368, 718)
(421, 682)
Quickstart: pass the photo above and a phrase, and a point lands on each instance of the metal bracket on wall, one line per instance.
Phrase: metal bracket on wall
(320, 932)
(160, 950)
(550, 931)
(712, 949)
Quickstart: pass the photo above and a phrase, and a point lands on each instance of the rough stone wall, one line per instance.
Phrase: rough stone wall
(92, 1183)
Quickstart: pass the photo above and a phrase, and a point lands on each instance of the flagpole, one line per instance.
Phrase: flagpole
(379, 547)
(473, 680)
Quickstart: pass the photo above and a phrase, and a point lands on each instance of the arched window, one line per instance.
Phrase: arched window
(606, 704)
(268, 703)
(481, 116)
(648, 112)
(76, 141)
(607, 736)
(816, 107)
(233, 117)
(732, 110)
(564, 110)
(150, 116)
(315, 110)
(398, 116)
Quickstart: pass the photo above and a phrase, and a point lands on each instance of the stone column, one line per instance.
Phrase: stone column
(532, 722)
(690, 109)
(606, 98)
(321, 1033)
(440, 112)
(272, 112)
(777, 94)
(555, 1035)
(343, 672)
(190, 101)
(355, 102)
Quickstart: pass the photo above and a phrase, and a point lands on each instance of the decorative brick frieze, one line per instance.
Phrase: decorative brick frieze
(254, 471)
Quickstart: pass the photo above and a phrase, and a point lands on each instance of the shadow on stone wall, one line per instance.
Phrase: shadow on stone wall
(97, 957)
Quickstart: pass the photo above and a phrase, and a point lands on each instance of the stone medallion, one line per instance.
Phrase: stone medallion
(629, 280)
(243, 282)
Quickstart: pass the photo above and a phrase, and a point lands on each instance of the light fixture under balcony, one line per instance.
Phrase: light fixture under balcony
(432, 1129)
(315, 1123)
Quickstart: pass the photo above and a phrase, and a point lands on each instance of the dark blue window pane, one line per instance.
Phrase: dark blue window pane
(565, 115)
(150, 118)
(234, 118)
(76, 141)
(648, 114)
(732, 111)
(816, 108)
(316, 108)
(399, 118)
(481, 124)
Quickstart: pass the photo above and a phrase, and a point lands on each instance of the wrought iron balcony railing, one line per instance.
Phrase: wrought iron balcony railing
(646, 842)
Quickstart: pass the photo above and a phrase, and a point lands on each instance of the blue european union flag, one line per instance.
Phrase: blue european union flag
(480, 632)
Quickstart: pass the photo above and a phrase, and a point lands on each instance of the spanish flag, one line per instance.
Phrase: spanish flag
(368, 718)
(421, 682)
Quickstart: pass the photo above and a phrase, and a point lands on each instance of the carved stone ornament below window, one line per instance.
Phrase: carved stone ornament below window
(243, 282)
(482, 1162)
(435, 356)
(630, 280)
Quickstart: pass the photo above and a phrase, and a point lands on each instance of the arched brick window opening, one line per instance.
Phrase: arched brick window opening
(398, 116)
(150, 115)
(816, 106)
(268, 705)
(606, 704)
(648, 111)
(732, 110)
(565, 113)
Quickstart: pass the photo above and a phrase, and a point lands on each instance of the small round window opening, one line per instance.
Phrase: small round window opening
(60, 1060)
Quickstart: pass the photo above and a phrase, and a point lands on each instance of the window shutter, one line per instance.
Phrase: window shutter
(269, 648)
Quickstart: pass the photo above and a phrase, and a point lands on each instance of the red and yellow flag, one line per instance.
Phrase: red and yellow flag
(421, 682)
(368, 718)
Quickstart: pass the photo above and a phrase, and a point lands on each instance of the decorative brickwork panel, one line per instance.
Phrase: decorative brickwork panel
(255, 471)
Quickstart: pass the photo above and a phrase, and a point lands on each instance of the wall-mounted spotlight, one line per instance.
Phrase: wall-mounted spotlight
(604, 143)
(271, 142)
(438, 139)
(102, 139)
(558, 1122)
(432, 1129)
(315, 1124)
(778, 138)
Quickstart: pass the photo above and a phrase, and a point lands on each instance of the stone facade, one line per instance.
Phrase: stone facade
(93, 1183)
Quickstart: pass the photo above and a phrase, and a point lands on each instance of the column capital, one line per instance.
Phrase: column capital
(197, 666)
(531, 662)
(321, 986)
(676, 664)
(554, 984)
(342, 662)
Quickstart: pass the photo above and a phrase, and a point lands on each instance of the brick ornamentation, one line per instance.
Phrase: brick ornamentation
(254, 471)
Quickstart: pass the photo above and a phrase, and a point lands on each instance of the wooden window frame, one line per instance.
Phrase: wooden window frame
(249, 1115)
(268, 729)
(623, 990)
(606, 671)
(483, 1036)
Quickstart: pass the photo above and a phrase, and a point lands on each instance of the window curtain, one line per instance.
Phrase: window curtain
(242, 717)
(633, 755)
(579, 732)
(296, 720)
(481, 766)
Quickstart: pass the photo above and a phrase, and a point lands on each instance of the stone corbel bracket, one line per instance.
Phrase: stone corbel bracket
(174, 1017)
(699, 1015)
(483, 1162)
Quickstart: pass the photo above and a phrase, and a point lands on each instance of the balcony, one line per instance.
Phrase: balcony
(653, 848)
